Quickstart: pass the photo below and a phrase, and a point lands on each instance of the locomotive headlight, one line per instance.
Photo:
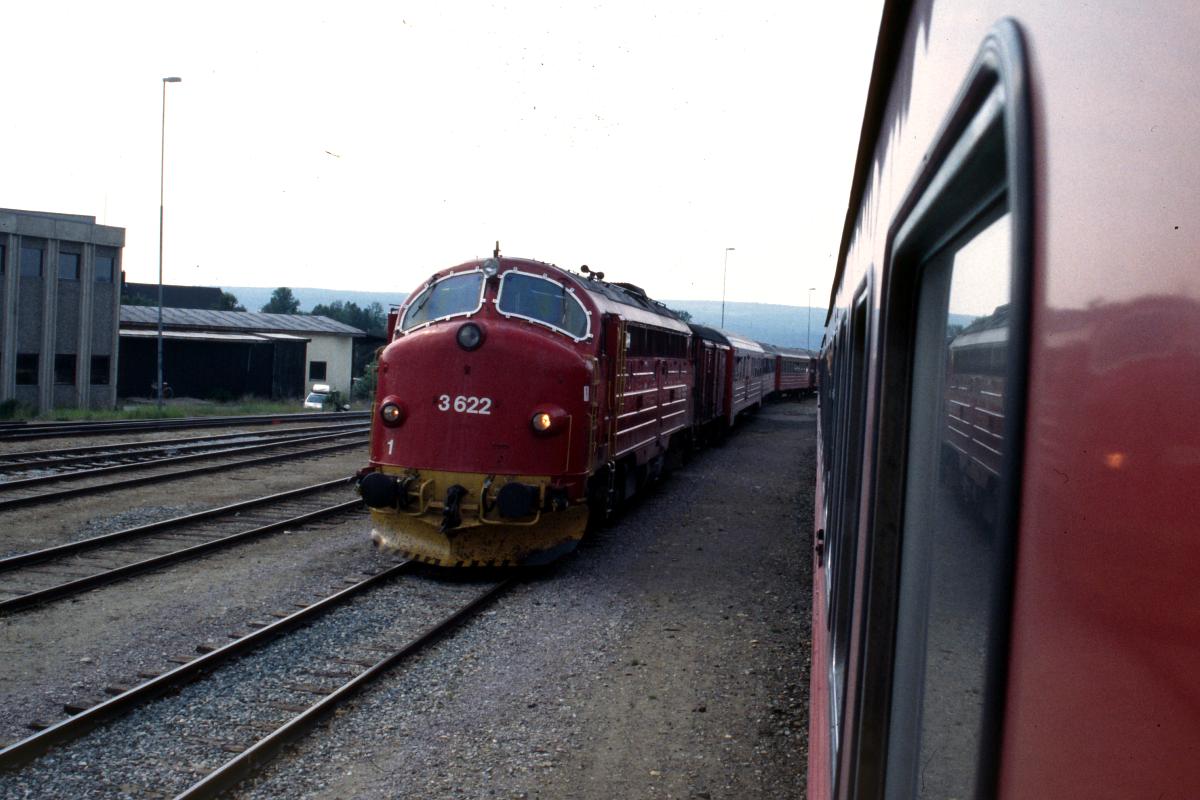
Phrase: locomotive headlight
(491, 267)
(470, 336)
(391, 413)
(548, 420)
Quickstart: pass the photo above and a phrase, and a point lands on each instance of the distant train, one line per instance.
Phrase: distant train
(517, 399)
(1006, 598)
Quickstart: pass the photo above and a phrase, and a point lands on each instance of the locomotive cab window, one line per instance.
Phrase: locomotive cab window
(539, 299)
(448, 297)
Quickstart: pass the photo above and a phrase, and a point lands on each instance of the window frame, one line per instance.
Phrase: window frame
(37, 363)
(96, 361)
(109, 253)
(35, 244)
(59, 363)
(567, 289)
(78, 255)
(402, 331)
(930, 216)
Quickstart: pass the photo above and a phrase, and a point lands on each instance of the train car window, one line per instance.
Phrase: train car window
(448, 297)
(842, 531)
(540, 299)
(939, 569)
(952, 499)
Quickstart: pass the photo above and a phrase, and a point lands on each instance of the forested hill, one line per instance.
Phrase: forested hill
(764, 322)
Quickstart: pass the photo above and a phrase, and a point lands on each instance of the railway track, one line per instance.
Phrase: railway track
(232, 709)
(30, 491)
(53, 573)
(44, 464)
(18, 431)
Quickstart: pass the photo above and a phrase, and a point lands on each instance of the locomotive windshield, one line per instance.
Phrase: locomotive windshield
(542, 300)
(457, 294)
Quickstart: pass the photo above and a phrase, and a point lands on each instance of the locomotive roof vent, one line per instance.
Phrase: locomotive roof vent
(636, 291)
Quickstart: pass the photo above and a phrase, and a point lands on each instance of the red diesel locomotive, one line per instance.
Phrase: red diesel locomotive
(1007, 585)
(516, 396)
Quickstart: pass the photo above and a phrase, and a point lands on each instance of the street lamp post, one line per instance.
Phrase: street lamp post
(162, 163)
(724, 273)
(808, 333)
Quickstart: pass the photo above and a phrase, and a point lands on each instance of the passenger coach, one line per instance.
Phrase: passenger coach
(1007, 584)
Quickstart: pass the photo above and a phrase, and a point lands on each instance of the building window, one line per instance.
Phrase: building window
(100, 370)
(27, 369)
(106, 264)
(68, 266)
(64, 369)
(316, 370)
(31, 260)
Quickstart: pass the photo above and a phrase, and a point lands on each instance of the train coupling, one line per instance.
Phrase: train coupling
(380, 490)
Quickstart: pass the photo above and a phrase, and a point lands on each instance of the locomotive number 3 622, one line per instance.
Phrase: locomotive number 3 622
(465, 405)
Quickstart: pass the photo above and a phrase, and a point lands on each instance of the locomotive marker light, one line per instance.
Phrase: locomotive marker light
(469, 336)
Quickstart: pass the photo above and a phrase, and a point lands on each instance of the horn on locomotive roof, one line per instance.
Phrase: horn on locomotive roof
(595, 275)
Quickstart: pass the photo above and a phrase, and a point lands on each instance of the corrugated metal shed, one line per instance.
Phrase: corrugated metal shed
(242, 321)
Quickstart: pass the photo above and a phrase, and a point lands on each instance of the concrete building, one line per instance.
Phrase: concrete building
(227, 354)
(60, 280)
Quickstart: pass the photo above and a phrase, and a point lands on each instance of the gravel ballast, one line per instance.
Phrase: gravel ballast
(667, 657)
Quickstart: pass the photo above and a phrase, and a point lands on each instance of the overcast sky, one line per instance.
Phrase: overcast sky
(363, 146)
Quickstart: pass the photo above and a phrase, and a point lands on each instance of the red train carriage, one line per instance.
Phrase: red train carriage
(751, 376)
(711, 354)
(512, 394)
(1007, 583)
(793, 369)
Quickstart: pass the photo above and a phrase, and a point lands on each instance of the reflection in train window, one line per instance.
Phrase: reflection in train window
(951, 535)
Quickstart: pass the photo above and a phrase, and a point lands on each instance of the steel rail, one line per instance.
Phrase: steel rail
(29, 459)
(246, 763)
(87, 427)
(29, 748)
(158, 462)
(79, 585)
(57, 551)
(62, 494)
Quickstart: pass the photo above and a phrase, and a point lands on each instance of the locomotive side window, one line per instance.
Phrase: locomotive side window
(451, 296)
(542, 300)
